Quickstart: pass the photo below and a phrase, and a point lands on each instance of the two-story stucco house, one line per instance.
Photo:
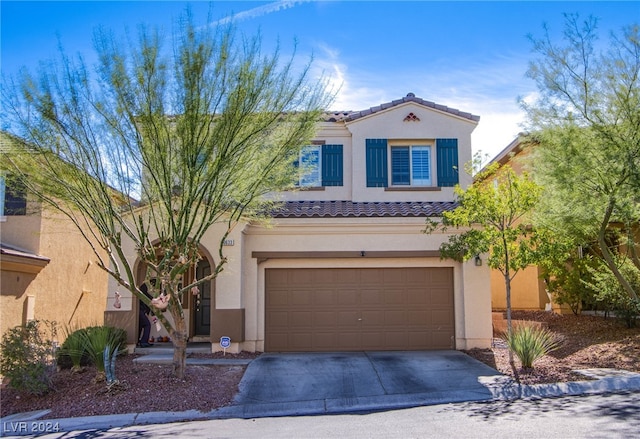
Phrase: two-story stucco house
(344, 265)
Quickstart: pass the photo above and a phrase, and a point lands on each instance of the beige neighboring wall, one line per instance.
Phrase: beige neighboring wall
(70, 289)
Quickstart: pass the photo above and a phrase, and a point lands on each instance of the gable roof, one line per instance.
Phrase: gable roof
(349, 116)
(351, 209)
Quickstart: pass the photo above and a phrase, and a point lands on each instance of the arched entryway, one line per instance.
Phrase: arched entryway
(197, 307)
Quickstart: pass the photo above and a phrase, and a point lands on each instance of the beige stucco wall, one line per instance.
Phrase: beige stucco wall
(527, 290)
(70, 289)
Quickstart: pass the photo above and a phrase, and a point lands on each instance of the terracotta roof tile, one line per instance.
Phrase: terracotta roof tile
(350, 209)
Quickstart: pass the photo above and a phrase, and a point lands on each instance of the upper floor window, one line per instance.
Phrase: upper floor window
(310, 166)
(13, 197)
(320, 165)
(411, 165)
(422, 165)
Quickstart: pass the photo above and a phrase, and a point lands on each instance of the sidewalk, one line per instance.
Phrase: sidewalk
(498, 387)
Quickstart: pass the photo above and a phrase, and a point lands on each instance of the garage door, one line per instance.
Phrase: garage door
(347, 309)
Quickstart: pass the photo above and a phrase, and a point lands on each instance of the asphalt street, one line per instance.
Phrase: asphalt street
(608, 416)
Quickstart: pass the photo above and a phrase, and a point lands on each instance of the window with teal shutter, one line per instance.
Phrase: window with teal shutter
(376, 158)
(448, 171)
(332, 168)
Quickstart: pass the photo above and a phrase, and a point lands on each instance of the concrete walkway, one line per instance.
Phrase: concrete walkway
(332, 383)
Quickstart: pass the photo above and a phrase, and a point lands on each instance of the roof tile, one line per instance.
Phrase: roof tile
(350, 209)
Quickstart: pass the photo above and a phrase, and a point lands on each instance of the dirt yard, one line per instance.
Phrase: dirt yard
(587, 342)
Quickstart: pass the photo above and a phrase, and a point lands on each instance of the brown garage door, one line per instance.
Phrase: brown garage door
(348, 309)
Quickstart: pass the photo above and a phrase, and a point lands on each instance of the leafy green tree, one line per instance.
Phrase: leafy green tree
(586, 125)
(492, 215)
(161, 144)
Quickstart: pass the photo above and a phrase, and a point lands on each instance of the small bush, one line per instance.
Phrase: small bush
(72, 353)
(530, 342)
(612, 297)
(97, 338)
(28, 356)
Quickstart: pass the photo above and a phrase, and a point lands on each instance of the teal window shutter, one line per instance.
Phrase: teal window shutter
(332, 168)
(376, 156)
(448, 171)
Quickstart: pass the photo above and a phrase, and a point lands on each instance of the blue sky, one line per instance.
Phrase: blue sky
(467, 55)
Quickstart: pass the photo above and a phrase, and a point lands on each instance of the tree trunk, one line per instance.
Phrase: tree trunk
(507, 283)
(179, 339)
(606, 253)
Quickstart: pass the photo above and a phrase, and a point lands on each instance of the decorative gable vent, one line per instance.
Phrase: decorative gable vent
(411, 118)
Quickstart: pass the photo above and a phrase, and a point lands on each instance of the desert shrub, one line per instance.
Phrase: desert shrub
(611, 296)
(97, 338)
(28, 356)
(530, 342)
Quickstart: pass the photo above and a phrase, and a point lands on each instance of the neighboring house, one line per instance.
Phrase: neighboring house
(344, 265)
(46, 266)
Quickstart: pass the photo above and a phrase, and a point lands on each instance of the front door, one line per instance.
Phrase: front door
(203, 300)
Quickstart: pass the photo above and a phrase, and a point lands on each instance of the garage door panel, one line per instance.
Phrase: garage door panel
(278, 319)
(372, 296)
(347, 297)
(348, 318)
(440, 318)
(278, 297)
(441, 296)
(301, 319)
(396, 296)
(418, 318)
(359, 309)
(416, 296)
(325, 297)
(325, 319)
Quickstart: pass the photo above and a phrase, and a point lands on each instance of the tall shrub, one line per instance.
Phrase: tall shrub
(28, 356)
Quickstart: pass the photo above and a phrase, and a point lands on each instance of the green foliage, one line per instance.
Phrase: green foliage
(530, 342)
(586, 127)
(28, 356)
(72, 353)
(570, 283)
(97, 338)
(611, 296)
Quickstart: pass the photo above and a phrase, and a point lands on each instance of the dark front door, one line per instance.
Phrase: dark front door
(203, 301)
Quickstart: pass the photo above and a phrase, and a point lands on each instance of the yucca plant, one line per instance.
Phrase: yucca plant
(73, 348)
(529, 342)
(96, 339)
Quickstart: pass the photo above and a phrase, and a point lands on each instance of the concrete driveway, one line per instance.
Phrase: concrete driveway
(284, 384)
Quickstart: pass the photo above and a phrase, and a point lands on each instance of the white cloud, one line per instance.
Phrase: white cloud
(260, 11)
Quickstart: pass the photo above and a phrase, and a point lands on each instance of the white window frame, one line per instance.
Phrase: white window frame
(413, 181)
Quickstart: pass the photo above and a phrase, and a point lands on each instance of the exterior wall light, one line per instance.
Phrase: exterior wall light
(478, 261)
